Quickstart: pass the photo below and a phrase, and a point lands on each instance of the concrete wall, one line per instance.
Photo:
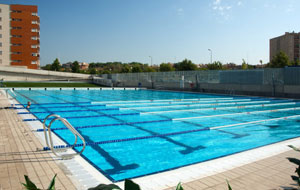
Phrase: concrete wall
(22, 74)
(260, 82)
(5, 38)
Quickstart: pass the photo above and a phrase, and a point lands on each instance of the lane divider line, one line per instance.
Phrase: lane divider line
(161, 100)
(181, 102)
(173, 133)
(221, 108)
(194, 105)
(242, 113)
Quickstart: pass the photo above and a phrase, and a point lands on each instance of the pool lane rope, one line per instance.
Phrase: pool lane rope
(134, 101)
(176, 119)
(126, 114)
(159, 100)
(96, 105)
(180, 102)
(221, 108)
(154, 112)
(193, 105)
(174, 133)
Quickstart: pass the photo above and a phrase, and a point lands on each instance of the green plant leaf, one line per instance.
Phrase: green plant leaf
(130, 185)
(52, 184)
(298, 171)
(29, 184)
(179, 186)
(294, 160)
(229, 187)
(106, 187)
(294, 148)
(296, 179)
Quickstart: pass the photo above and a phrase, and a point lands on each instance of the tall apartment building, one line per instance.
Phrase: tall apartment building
(19, 36)
(288, 43)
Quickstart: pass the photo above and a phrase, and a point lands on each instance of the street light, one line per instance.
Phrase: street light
(210, 55)
(150, 60)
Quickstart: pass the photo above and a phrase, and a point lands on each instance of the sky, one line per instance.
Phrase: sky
(167, 30)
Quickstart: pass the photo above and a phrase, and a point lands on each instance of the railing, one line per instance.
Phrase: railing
(70, 127)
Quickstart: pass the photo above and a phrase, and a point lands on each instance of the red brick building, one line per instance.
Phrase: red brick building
(23, 32)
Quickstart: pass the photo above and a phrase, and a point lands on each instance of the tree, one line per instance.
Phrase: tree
(136, 69)
(244, 64)
(279, 60)
(125, 68)
(75, 67)
(185, 65)
(47, 67)
(295, 63)
(92, 71)
(217, 65)
(55, 65)
(164, 67)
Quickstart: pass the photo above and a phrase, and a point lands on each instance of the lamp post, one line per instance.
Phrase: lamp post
(150, 60)
(210, 55)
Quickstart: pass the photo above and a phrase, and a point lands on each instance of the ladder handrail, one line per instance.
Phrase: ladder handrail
(70, 127)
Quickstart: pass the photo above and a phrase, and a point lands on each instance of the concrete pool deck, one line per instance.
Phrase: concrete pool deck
(18, 157)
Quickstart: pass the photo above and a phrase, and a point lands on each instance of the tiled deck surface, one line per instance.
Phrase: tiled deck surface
(18, 157)
(272, 173)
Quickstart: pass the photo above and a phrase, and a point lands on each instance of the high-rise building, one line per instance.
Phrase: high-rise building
(19, 36)
(288, 43)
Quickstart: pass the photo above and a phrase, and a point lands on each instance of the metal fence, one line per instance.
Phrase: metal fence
(268, 80)
(289, 76)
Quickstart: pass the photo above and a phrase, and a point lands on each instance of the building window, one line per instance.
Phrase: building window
(34, 14)
(0, 27)
(0, 18)
(18, 61)
(34, 30)
(34, 62)
(34, 54)
(34, 22)
(16, 19)
(0, 52)
(34, 46)
(17, 28)
(0, 59)
(17, 36)
(0, 35)
(16, 53)
(16, 44)
(34, 38)
(16, 11)
(0, 44)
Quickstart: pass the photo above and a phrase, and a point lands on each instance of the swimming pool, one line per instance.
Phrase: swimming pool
(132, 133)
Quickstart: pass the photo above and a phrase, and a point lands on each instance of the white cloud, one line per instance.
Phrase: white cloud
(221, 9)
(217, 2)
(291, 7)
(180, 11)
(239, 3)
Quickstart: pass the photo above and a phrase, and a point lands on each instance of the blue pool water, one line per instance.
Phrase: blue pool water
(131, 133)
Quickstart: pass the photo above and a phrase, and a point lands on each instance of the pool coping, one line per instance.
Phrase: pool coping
(184, 174)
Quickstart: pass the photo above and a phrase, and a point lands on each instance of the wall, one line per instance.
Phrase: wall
(22, 74)
(262, 82)
(5, 38)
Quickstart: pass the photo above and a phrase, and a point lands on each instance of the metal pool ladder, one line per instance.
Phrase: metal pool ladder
(71, 128)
